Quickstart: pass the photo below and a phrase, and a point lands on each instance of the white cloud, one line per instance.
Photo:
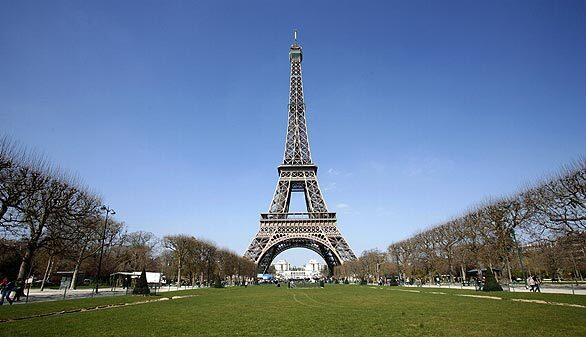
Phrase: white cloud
(330, 186)
(333, 172)
(342, 205)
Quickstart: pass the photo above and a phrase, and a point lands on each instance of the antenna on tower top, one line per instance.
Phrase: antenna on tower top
(295, 35)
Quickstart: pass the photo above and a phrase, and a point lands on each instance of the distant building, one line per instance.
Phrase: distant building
(284, 270)
(313, 266)
(282, 266)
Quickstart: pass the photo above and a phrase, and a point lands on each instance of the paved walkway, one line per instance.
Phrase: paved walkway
(35, 295)
(545, 288)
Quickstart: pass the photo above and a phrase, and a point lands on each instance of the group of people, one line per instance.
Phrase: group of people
(533, 282)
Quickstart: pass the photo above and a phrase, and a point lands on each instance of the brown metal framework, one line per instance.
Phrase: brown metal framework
(316, 229)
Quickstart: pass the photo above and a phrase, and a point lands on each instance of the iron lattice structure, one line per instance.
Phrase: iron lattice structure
(281, 230)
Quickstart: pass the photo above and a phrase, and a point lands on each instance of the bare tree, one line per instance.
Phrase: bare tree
(180, 246)
(91, 237)
(20, 177)
(52, 210)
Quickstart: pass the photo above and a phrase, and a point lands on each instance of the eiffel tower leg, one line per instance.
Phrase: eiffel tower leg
(256, 247)
(342, 247)
(313, 194)
(280, 202)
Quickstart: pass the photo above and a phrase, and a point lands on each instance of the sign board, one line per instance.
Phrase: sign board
(153, 277)
(65, 282)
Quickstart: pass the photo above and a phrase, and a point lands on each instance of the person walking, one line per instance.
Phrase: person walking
(8, 288)
(531, 283)
(3, 285)
(536, 282)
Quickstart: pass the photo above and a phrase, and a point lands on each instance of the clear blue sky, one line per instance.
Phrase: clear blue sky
(175, 111)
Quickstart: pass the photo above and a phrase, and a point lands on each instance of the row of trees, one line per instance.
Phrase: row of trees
(201, 261)
(50, 222)
(540, 231)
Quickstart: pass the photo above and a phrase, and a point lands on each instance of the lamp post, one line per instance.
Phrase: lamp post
(108, 211)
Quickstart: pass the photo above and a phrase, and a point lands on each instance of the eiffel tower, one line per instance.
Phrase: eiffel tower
(316, 229)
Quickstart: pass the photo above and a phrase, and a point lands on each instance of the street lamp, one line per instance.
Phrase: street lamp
(108, 211)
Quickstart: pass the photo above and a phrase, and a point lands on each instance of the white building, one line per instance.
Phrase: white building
(313, 266)
(311, 270)
(282, 266)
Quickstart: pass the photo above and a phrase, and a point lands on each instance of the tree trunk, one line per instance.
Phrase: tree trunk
(179, 273)
(47, 271)
(493, 273)
(576, 272)
(25, 266)
(73, 284)
(451, 267)
(463, 273)
(509, 270)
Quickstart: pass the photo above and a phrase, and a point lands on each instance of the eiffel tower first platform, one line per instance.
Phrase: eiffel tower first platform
(316, 229)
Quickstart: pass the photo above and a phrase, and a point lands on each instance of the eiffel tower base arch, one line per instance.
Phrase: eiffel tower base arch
(314, 231)
(323, 249)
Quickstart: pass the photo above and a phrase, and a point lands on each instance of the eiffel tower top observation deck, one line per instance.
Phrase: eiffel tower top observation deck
(316, 229)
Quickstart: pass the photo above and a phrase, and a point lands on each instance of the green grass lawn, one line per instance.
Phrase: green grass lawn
(333, 311)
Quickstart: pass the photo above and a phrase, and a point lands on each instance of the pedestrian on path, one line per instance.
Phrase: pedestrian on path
(531, 283)
(536, 282)
(6, 292)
